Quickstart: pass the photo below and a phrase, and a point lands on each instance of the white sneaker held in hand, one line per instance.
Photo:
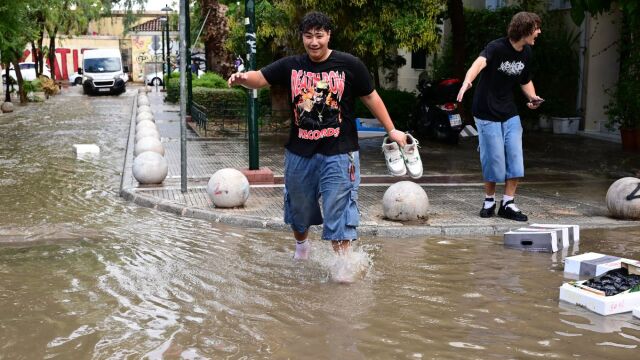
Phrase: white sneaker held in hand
(412, 157)
(393, 157)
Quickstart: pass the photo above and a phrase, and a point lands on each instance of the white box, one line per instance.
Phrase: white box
(83, 150)
(603, 305)
(559, 234)
(540, 240)
(636, 312)
(593, 264)
(574, 230)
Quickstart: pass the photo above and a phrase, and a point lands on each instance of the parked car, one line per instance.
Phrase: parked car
(155, 78)
(28, 71)
(75, 79)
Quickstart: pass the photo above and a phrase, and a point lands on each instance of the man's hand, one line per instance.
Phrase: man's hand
(399, 137)
(535, 102)
(238, 78)
(466, 85)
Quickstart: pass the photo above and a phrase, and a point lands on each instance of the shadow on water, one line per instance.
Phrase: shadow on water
(107, 279)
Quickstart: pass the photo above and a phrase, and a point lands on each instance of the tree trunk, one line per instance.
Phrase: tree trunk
(52, 52)
(16, 67)
(214, 35)
(456, 14)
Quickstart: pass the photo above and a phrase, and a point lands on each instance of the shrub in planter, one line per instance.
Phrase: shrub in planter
(222, 102)
(400, 104)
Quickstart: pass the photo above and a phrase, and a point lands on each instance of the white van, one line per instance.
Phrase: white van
(102, 72)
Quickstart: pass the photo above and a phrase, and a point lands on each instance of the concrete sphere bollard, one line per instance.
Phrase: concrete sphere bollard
(404, 201)
(148, 144)
(147, 132)
(623, 198)
(144, 108)
(144, 116)
(146, 124)
(143, 101)
(7, 107)
(228, 188)
(150, 168)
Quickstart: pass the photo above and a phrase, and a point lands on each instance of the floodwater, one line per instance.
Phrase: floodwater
(90, 276)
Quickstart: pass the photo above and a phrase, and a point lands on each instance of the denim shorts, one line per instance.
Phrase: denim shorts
(500, 149)
(307, 180)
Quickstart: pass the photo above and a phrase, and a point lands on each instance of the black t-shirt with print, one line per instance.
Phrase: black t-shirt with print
(322, 96)
(506, 67)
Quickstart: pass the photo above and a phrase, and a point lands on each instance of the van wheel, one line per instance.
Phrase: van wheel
(78, 81)
(156, 82)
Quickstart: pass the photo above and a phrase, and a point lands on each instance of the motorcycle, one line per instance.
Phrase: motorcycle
(437, 116)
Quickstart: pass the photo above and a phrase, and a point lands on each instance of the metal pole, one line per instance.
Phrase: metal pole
(163, 80)
(252, 116)
(166, 24)
(183, 95)
(188, 58)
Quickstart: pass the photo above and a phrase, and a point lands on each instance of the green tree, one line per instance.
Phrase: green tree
(370, 29)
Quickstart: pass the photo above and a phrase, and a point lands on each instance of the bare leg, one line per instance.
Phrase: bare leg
(300, 236)
(510, 187)
(341, 247)
(490, 187)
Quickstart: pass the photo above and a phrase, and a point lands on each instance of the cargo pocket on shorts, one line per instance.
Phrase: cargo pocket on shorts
(353, 214)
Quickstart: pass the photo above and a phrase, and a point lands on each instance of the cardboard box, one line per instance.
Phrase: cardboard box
(539, 240)
(593, 264)
(559, 234)
(600, 304)
(85, 150)
(573, 230)
(636, 312)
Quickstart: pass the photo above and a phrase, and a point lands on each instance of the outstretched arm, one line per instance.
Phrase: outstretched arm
(374, 103)
(477, 66)
(530, 92)
(250, 79)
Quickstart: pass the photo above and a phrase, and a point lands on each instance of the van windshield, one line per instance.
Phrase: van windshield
(100, 65)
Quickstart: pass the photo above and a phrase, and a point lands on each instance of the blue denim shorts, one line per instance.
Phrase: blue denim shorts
(309, 179)
(500, 149)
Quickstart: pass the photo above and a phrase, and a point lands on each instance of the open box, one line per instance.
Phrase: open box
(593, 264)
(577, 293)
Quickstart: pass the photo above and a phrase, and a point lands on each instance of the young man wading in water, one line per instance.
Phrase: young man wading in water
(502, 64)
(321, 156)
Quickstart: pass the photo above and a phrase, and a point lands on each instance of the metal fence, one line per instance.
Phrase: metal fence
(229, 118)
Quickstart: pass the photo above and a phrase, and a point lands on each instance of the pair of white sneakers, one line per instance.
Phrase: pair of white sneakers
(402, 160)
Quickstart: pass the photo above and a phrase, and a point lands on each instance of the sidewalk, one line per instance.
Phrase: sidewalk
(566, 181)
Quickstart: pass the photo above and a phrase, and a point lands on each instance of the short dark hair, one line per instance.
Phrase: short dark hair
(315, 20)
(523, 24)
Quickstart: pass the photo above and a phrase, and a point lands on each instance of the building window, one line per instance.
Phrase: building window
(419, 59)
(493, 4)
(559, 4)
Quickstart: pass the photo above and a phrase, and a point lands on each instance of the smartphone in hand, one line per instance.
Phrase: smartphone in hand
(536, 102)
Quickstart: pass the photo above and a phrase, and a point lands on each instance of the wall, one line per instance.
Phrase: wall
(143, 52)
(601, 68)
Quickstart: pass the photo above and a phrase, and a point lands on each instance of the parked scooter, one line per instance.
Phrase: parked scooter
(437, 116)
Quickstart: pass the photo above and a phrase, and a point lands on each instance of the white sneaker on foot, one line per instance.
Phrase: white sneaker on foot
(393, 157)
(302, 251)
(412, 157)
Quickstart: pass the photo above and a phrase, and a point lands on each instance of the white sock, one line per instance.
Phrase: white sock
(489, 203)
(303, 247)
(506, 198)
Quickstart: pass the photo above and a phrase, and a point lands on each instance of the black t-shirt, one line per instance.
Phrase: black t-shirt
(322, 97)
(506, 67)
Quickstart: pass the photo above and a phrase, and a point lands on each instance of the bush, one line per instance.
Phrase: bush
(210, 80)
(48, 86)
(221, 102)
(400, 105)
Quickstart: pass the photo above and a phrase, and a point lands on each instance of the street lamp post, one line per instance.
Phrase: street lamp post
(166, 10)
(163, 21)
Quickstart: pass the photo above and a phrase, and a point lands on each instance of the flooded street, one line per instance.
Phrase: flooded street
(87, 275)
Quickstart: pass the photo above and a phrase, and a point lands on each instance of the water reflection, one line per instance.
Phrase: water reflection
(109, 280)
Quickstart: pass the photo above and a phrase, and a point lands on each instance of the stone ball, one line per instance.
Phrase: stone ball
(142, 101)
(228, 188)
(146, 124)
(150, 168)
(405, 200)
(623, 198)
(7, 107)
(147, 132)
(144, 108)
(148, 144)
(144, 116)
